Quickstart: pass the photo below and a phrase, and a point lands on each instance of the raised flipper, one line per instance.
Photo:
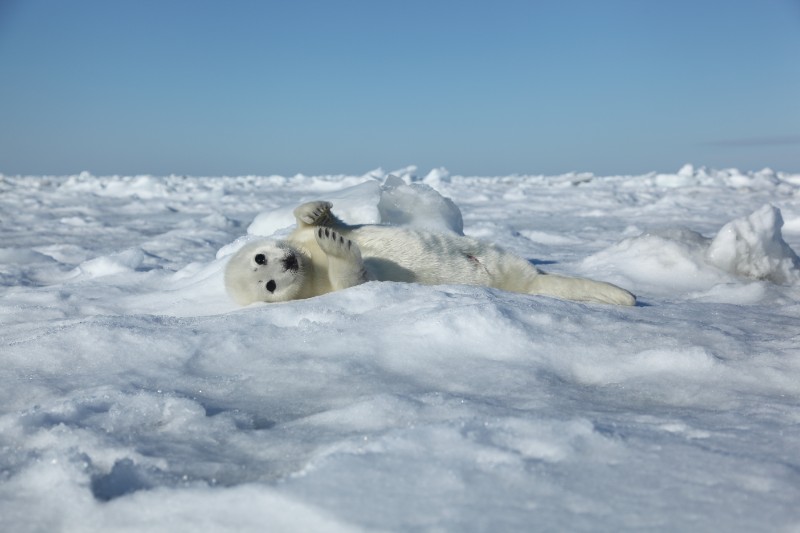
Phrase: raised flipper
(316, 213)
(345, 266)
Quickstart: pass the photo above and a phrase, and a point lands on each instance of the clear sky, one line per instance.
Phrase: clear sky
(234, 87)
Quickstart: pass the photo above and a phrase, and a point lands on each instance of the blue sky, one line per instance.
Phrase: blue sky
(260, 87)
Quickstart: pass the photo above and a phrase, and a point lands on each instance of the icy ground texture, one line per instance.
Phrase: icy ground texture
(135, 396)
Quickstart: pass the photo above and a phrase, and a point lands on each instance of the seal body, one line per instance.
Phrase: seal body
(323, 254)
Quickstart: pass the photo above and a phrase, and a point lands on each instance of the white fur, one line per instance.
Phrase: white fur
(330, 255)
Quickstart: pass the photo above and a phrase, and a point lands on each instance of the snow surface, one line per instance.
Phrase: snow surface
(136, 396)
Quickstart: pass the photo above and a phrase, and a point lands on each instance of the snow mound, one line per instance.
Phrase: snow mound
(418, 205)
(354, 205)
(679, 259)
(753, 247)
(661, 262)
(120, 263)
(393, 202)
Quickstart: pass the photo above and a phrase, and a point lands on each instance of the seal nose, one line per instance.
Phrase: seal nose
(271, 285)
(290, 262)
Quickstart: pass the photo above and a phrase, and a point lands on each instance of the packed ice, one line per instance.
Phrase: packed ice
(137, 396)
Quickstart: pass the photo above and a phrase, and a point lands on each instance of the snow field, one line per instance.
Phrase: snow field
(136, 395)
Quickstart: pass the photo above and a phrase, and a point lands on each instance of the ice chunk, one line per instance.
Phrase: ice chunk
(686, 171)
(358, 204)
(354, 205)
(437, 176)
(661, 261)
(418, 205)
(679, 259)
(753, 247)
(394, 202)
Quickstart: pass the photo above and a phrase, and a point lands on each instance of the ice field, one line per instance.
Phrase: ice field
(136, 396)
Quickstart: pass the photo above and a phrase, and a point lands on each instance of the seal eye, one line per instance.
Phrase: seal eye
(261, 259)
(271, 285)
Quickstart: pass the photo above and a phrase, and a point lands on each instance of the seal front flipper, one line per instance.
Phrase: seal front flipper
(316, 213)
(345, 266)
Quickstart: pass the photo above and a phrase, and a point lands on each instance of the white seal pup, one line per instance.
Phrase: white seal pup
(324, 254)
